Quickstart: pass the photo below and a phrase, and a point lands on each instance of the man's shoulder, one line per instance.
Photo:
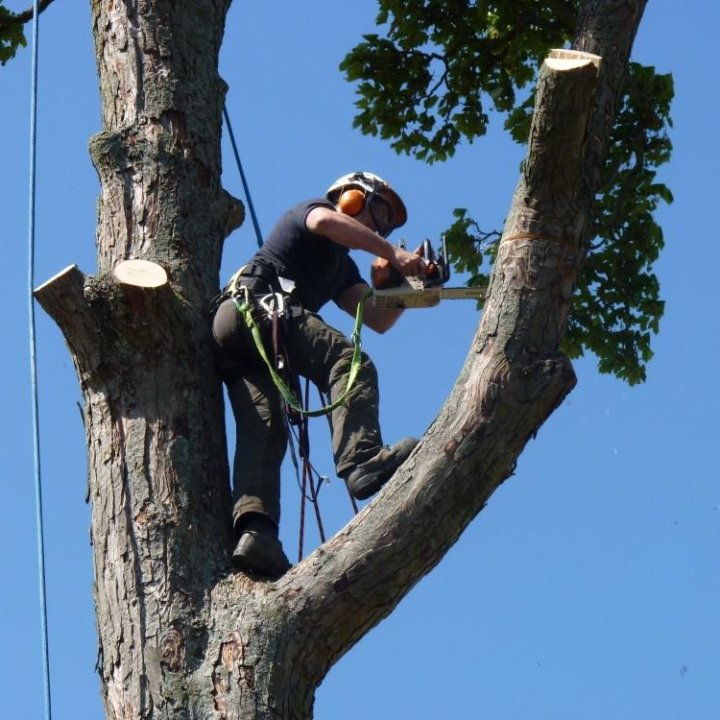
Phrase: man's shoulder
(294, 221)
(297, 214)
(306, 206)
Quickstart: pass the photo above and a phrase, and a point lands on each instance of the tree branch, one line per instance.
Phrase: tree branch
(23, 17)
(512, 381)
(606, 28)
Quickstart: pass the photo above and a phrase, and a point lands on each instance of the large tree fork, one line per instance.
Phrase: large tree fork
(178, 643)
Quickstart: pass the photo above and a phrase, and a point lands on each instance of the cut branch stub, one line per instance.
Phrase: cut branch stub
(561, 59)
(63, 298)
(140, 273)
(549, 200)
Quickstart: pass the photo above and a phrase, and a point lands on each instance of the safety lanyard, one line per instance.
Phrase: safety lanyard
(244, 307)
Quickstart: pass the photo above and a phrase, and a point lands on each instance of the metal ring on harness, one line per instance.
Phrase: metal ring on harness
(277, 302)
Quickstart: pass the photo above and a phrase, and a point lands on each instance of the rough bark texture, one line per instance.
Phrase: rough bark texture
(181, 636)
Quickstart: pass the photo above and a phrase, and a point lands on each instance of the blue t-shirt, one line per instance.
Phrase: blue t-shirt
(321, 269)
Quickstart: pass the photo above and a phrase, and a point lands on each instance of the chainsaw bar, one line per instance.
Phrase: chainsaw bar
(415, 295)
(391, 290)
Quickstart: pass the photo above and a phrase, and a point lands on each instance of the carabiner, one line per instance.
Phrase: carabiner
(273, 303)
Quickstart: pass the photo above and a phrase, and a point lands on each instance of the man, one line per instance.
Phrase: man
(306, 261)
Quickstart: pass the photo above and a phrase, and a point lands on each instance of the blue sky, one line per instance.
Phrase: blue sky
(588, 588)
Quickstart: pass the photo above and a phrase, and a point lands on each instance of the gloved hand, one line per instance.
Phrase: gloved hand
(386, 273)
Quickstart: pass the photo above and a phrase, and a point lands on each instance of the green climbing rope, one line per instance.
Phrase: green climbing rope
(244, 307)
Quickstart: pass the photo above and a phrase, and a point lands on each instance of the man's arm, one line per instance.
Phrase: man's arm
(352, 233)
(378, 319)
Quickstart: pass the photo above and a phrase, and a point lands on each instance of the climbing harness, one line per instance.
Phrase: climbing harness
(244, 305)
(297, 414)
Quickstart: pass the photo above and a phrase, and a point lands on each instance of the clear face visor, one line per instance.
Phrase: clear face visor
(382, 214)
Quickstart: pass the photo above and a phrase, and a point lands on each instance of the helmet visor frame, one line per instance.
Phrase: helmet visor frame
(382, 214)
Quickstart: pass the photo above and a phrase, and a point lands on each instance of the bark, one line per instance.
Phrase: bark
(181, 635)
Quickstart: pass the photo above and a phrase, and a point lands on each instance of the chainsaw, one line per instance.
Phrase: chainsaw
(392, 290)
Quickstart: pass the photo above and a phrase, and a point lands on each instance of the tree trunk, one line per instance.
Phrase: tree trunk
(181, 635)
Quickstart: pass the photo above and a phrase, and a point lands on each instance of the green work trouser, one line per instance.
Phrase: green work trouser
(316, 351)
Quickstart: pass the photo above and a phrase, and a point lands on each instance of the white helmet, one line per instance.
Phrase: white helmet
(371, 185)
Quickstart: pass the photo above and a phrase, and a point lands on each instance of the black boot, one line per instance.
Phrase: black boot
(366, 479)
(258, 549)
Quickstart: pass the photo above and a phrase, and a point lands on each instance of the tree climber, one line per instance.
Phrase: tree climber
(304, 263)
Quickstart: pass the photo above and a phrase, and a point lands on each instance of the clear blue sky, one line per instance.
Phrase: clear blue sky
(589, 587)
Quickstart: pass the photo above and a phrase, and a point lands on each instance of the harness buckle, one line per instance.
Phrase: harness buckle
(240, 292)
(233, 284)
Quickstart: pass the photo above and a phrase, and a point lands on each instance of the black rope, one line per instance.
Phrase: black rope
(309, 481)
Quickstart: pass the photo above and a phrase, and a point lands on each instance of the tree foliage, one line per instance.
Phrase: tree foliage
(430, 82)
(11, 35)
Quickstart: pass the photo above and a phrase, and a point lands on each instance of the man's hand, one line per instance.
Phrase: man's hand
(377, 319)
(407, 263)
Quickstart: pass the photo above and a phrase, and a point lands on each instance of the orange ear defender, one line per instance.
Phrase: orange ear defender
(352, 201)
